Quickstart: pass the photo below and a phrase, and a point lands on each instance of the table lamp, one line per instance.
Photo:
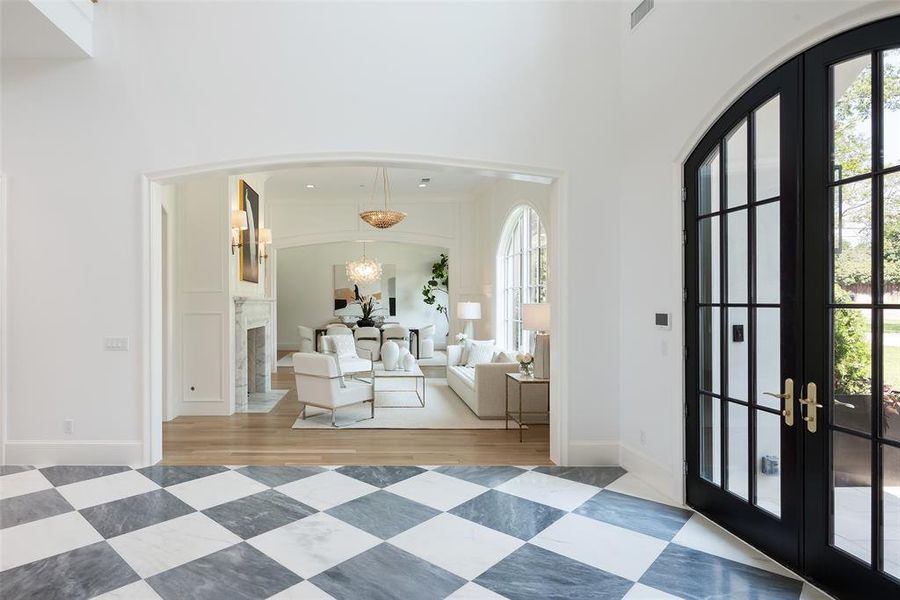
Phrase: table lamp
(536, 317)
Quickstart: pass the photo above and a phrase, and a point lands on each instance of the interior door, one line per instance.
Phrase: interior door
(742, 233)
(852, 280)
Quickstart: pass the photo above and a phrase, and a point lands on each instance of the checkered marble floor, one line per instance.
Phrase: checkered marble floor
(364, 532)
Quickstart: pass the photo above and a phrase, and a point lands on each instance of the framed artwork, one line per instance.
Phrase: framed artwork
(384, 290)
(250, 250)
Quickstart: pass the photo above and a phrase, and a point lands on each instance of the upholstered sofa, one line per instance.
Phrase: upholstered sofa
(482, 387)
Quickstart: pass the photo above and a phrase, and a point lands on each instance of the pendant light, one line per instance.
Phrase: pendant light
(382, 218)
(363, 270)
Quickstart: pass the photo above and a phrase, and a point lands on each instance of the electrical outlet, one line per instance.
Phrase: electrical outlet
(117, 344)
(68, 426)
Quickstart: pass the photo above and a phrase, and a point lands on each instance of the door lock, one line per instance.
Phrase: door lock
(811, 417)
(788, 397)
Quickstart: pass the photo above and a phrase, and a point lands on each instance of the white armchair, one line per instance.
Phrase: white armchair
(334, 329)
(396, 333)
(307, 339)
(343, 348)
(426, 342)
(321, 383)
(368, 342)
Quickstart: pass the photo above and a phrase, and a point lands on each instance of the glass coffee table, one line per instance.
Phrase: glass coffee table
(398, 375)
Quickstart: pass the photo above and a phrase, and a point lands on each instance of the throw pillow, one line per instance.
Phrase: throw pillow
(344, 346)
(464, 359)
(504, 357)
(480, 354)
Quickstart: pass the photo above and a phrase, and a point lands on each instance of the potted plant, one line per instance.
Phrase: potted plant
(368, 306)
(438, 284)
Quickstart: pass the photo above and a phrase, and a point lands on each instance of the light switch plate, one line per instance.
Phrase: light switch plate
(116, 344)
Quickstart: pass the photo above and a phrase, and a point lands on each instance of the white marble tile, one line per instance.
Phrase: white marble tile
(613, 549)
(642, 592)
(139, 590)
(460, 546)
(158, 548)
(314, 544)
(23, 483)
(473, 591)
(220, 488)
(633, 486)
(702, 534)
(302, 591)
(33, 541)
(437, 490)
(326, 490)
(100, 490)
(546, 489)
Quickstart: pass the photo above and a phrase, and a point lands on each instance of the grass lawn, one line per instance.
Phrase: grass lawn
(892, 366)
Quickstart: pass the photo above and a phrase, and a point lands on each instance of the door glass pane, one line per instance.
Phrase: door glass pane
(738, 335)
(768, 253)
(711, 439)
(851, 83)
(738, 444)
(768, 356)
(768, 462)
(890, 123)
(710, 255)
(890, 540)
(737, 257)
(736, 166)
(852, 368)
(891, 240)
(852, 242)
(852, 494)
(890, 400)
(708, 184)
(710, 355)
(767, 154)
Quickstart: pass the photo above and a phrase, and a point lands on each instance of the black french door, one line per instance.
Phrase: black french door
(792, 310)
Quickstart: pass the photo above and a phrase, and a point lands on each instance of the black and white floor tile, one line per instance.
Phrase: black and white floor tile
(313, 533)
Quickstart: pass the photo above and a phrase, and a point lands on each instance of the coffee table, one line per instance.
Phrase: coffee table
(416, 374)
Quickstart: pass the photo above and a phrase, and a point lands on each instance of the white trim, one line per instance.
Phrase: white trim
(658, 476)
(3, 329)
(592, 453)
(75, 452)
(557, 231)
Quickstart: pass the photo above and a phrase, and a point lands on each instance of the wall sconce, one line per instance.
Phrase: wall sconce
(238, 224)
(265, 238)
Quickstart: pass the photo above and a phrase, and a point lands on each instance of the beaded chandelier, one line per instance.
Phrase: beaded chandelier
(382, 218)
(363, 270)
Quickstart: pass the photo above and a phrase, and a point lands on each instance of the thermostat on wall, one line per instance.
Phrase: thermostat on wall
(663, 320)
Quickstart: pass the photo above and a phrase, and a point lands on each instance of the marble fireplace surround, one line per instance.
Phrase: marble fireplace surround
(253, 357)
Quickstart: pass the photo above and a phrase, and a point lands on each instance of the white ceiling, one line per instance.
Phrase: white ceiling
(45, 29)
(355, 183)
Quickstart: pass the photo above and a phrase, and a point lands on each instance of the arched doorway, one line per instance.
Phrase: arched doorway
(791, 203)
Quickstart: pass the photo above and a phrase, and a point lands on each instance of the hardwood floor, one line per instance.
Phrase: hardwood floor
(267, 439)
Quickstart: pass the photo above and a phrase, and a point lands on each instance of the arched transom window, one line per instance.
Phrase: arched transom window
(522, 275)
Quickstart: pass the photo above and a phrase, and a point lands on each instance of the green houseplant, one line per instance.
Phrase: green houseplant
(438, 284)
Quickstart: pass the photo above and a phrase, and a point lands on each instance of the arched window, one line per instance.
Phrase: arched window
(522, 275)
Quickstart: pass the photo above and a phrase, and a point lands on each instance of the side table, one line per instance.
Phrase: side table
(516, 416)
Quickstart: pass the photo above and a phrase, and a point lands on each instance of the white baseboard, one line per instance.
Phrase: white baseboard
(593, 454)
(74, 452)
(663, 479)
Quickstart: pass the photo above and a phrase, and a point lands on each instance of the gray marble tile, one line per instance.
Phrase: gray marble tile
(486, 476)
(510, 514)
(692, 574)
(64, 475)
(135, 512)
(383, 514)
(275, 476)
(31, 507)
(387, 573)
(259, 513)
(531, 572)
(238, 572)
(10, 469)
(597, 476)
(170, 475)
(82, 573)
(659, 520)
(380, 476)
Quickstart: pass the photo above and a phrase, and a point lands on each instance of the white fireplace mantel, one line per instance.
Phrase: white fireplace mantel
(253, 361)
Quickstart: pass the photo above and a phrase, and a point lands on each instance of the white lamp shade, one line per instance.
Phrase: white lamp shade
(536, 317)
(239, 219)
(468, 310)
(265, 235)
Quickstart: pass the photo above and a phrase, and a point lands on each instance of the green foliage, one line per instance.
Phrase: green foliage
(438, 284)
(852, 356)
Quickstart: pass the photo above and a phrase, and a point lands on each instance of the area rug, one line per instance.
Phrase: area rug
(438, 360)
(443, 410)
(263, 402)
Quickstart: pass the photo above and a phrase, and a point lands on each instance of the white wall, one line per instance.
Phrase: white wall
(673, 91)
(306, 285)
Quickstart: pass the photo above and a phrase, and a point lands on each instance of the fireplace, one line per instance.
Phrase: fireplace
(253, 353)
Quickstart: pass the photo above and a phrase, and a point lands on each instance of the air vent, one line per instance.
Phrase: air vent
(642, 10)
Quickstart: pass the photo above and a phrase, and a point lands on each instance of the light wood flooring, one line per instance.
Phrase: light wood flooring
(267, 439)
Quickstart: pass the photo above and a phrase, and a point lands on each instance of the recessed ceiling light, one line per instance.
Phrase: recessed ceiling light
(310, 186)
(423, 185)
(424, 182)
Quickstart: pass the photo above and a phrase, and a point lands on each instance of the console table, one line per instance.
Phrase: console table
(516, 416)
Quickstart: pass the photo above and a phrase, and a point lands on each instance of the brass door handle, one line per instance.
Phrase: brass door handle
(788, 397)
(812, 413)
(845, 404)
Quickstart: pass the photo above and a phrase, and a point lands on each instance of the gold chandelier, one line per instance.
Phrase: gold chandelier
(363, 270)
(382, 218)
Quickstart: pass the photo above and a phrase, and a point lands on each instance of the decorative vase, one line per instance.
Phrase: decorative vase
(365, 323)
(390, 354)
(526, 369)
(409, 362)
